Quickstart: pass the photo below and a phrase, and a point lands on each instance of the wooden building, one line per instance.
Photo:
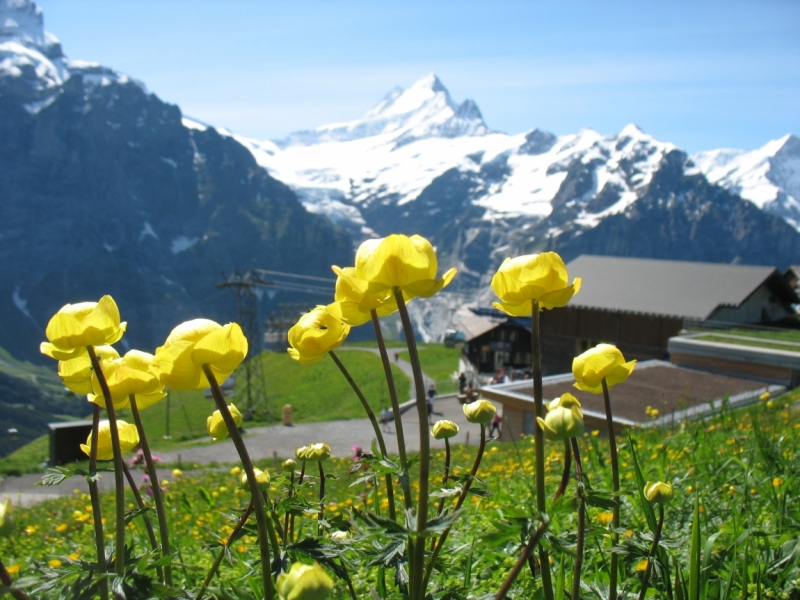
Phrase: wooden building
(635, 304)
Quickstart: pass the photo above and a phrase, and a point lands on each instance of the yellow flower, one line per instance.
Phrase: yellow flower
(658, 492)
(62, 527)
(777, 482)
(353, 301)
(316, 333)
(535, 277)
(605, 517)
(128, 439)
(764, 397)
(399, 262)
(12, 569)
(76, 326)
(313, 452)
(444, 429)
(178, 363)
(236, 470)
(73, 556)
(304, 582)
(641, 566)
(54, 563)
(564, 419)
(480, 411)
(76, 373)
(216, 424)
(340, 536)
(128, 375)
(604, 361)
(177, 472)
(262, 480)
(289, 465)
(7, 521)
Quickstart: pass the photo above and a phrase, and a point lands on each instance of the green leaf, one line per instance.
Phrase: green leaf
(694, 552)
(57, 475)
(647, 508)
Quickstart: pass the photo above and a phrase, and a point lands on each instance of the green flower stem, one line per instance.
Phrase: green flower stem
(299, 483)
(446, 473)
(221, 554)
(459, 503)
(538, 407)
(6, 580)
(286, 516)
(523, 558)
(565, 475)
(119, 482)
(158, 495)
(612, 449)
(653, 551)
(375, 427)
(265, 531)
(151, 534)
(417, 563)
(321, 498)
(576, 577)
(97, 516)
(398, 417)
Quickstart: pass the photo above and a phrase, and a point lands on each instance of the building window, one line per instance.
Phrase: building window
(527, 423)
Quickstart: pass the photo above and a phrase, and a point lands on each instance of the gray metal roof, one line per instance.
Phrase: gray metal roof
(663, 287)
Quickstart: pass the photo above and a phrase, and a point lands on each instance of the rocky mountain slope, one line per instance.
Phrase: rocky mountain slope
(105, 190)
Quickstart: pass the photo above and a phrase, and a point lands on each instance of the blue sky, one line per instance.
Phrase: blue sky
(702, 74)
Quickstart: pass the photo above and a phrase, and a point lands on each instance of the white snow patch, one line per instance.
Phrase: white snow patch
(20, 303)
(183, 243)
(147, 230)
(192, 124)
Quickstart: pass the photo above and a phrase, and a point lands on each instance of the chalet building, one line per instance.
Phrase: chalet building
(635, 304)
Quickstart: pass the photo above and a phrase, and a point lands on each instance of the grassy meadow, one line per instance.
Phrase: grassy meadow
(741, 468)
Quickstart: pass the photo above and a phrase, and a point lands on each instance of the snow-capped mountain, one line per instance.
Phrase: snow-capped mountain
(414, 163)
(769, 177)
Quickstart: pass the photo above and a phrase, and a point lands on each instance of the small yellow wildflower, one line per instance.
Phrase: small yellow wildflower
(12, 569)
(73, 556)
(641, 566)
(177, 472)
(54, 563)
(605, 517)
(62, 528)
(236, 470)
(764, 397)
(777, 482)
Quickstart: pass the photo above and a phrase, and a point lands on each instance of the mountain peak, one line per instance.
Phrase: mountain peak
(22, 22)
(424, 110)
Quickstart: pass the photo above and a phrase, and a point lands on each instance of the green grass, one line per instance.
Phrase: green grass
(781, 335)
(43, 376)
(753, 342)
(741, 468)
(28, 458)
(438, 362)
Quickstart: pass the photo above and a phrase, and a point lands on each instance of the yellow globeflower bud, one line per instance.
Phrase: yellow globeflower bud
(76, 326)
(354, 302)
(304, 582)
(262, 480)
(7, 522)
(289, 465)
(77, 373)
(604, 361)
(340, 536)
(126, 376)
(315, 333)
(178, 364)
(658, 492)
(540, 277)
(444, 429)
(314, 452)
(480, 411)
(236, 470)
(216, 424)
(399, 262)
(128, 439)
(564, 419)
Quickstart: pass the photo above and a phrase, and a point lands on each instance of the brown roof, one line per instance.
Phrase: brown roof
(667, 287)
